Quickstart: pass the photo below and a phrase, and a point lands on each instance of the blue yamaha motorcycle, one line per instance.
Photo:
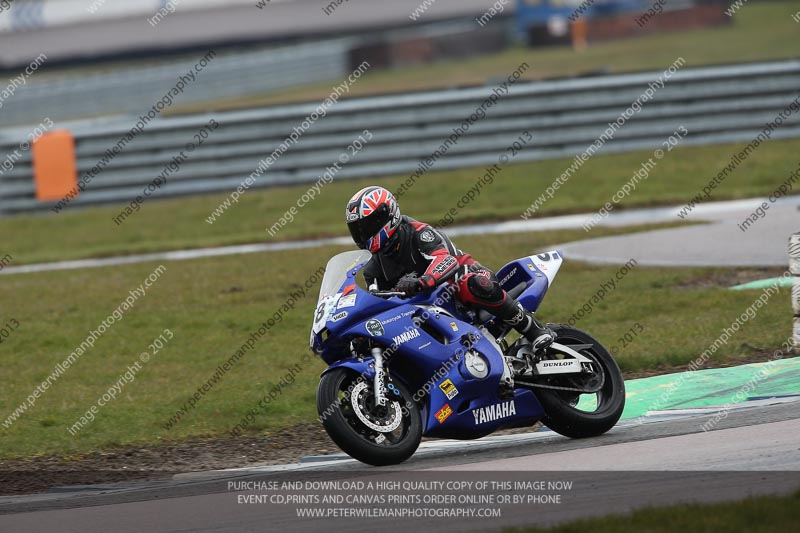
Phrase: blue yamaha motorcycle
(403, 368)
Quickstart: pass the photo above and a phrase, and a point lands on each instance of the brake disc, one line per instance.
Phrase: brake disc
(384, 424)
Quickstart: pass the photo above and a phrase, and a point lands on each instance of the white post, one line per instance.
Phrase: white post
(794, 268)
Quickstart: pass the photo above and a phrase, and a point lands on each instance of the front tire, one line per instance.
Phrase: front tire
(358, 426)
(561, 408)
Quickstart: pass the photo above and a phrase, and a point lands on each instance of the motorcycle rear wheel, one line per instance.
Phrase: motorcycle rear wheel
(352, 434)
(562, 414)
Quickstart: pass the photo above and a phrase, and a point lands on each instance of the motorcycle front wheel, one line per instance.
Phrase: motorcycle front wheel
(377, 435)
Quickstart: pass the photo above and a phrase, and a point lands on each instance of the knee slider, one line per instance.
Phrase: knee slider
(484, 288)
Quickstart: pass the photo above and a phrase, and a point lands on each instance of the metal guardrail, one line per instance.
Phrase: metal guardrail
(716, 104)
(229, 74)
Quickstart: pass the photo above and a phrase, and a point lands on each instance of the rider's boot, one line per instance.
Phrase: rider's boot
(521, 320)
(512, 313)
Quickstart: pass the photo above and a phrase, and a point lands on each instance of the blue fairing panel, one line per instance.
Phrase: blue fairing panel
(536, 272)
(364, 367)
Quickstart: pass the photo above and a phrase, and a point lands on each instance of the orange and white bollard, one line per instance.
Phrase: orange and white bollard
(794, 268)
(578, 34)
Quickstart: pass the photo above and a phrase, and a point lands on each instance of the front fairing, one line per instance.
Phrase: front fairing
(343, 306)
(341, 301)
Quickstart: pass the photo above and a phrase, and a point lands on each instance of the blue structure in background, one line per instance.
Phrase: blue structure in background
(543, 13)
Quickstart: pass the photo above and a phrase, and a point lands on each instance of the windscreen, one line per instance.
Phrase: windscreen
(336, 270)
(335, 275)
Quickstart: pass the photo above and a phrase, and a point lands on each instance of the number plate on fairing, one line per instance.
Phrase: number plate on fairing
(325, 308)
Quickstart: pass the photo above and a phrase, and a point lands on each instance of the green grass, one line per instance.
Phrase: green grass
(211, 305)
(180, 223)
(763, 514)
(758, 32)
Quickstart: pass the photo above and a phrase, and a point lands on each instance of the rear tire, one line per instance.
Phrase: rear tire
(561, 414)
(352, 435)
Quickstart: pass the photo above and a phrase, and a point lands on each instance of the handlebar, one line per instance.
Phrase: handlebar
(387, 294)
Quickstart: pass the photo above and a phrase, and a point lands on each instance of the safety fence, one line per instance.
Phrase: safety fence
(413, 133)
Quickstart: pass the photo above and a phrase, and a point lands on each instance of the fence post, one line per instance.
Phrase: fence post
(794, 268)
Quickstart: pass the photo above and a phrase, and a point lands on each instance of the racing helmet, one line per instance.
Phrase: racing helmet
(372, 217)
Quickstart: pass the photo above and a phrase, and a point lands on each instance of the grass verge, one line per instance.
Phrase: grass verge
(181, 223)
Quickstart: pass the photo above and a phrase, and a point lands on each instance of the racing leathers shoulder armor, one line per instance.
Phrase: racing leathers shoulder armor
(416, 248)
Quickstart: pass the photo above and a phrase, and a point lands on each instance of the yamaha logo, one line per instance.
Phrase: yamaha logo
(494, 412)
(407, 336)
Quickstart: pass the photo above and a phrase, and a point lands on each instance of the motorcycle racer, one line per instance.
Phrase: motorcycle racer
(412, 257)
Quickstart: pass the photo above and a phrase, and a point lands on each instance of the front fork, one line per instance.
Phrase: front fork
(380, 376)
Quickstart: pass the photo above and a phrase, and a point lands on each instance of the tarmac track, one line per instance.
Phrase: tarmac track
(752, 451)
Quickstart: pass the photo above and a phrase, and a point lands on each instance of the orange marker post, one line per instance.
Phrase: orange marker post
(55, 166)
(579, 33)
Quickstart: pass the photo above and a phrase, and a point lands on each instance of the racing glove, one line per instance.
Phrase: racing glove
(411, 285)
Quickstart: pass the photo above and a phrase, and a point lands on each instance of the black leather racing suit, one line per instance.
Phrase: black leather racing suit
(416, 247)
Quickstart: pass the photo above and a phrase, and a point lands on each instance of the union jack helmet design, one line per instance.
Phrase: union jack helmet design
(372, 217)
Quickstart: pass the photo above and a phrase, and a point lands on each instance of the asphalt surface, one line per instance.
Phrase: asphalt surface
(720, 242)
(752, 451)
(772, 446)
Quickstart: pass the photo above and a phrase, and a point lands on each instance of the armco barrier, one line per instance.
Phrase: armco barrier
(716, 105)
(132, 89)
